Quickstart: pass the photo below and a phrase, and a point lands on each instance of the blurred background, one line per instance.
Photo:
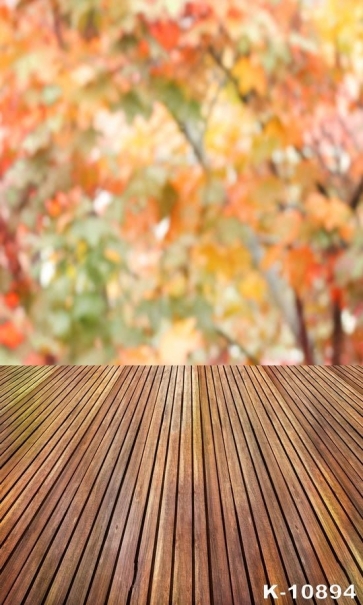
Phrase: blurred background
(181, 182)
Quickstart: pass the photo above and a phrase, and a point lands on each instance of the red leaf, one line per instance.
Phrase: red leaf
(11, 300)
(166, 33)
(338, 296)
(10, 336)
(199, 10)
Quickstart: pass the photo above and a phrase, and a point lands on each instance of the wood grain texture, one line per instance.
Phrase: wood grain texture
(153, 485)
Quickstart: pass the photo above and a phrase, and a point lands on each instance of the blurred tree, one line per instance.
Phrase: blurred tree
(181, 181)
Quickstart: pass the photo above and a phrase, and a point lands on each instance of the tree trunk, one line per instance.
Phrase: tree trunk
(338, 335)
(303, 333)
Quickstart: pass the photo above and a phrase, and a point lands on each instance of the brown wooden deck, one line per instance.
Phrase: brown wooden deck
(159, 485)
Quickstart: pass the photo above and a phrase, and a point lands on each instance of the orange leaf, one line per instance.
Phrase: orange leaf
(10, 336)
(11, 300)
(54, 208)
(272, 256)
(329, 214)
(166, 33)
(143, 48)
(301, 268)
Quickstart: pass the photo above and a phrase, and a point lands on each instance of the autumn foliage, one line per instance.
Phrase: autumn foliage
(181, 181)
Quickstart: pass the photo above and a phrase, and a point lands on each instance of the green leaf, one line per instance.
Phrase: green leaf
(60, 322)
(37, 140)
(126, 335)
(91, 229)
(213, 192)
(115, 210)
(155, 310)
(146, 182)
(177, 101)
(86, 139)
(229, 229)
(59, 289)
(133, 104)
(88, 306)
(51, 94)
(96, 356)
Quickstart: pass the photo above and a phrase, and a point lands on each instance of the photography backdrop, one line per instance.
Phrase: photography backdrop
(181, 182)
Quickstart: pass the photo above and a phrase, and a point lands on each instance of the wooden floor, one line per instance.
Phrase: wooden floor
(158, 485)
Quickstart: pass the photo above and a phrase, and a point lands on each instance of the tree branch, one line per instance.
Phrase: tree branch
(57, 24)
(244, 98)
(356, 196)
(197, 146)
(249, 356)
(322, 189)
(279, 289)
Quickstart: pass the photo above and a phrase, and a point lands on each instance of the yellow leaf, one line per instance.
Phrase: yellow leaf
(275, 128)
(71, 271)
(253, 287)
(81, 249)
(113, 289)
(112, 255)
(225, 261)
(176, 286)
(250, 76)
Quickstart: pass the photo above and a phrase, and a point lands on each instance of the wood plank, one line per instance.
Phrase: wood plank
(109, 464)
(161, 585)
(332, 426)
(319, 525)
(350, 376)
(347, 542)
(277, 500)
(16, 416)
(153, 485)
(107, 558)
(19, 391)
(239, 466)
(127, 563)
(28, 478)
(10, 374)
(201, 560)
(345, 395)
(139, 589)
(31, 424)
(27, 526)
(333, 413)
(325, 450)
(221, 588)
(236, 560)
(340, 405)
(182, 580)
